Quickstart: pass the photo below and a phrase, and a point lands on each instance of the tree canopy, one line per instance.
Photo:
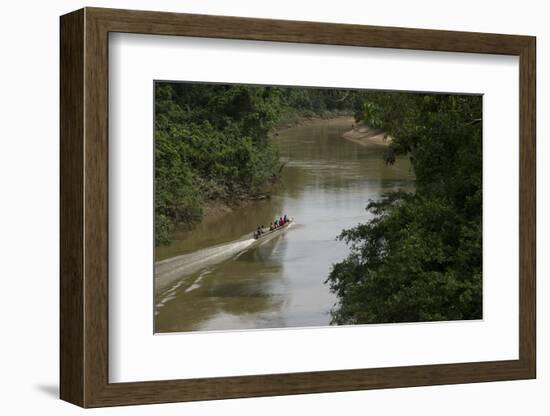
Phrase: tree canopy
(211, 142)
(420, 257)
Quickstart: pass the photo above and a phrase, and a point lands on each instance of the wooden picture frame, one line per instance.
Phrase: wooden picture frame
(84, 207)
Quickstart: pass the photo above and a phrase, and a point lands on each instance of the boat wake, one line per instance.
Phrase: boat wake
(170, 273)
(169, 270)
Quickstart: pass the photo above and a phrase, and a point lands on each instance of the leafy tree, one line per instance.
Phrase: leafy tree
(419, 258)
(211, 142)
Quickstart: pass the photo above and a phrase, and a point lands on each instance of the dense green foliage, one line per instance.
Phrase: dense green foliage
(211, 142)
(420, 257)
(318, 102)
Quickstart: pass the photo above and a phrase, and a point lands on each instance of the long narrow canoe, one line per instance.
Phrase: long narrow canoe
(279, 229)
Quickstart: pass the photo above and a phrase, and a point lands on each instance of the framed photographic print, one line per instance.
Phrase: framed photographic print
(255, 207)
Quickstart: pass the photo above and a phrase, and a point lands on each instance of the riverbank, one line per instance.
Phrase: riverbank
(214, 210)
(366, 136)
(217, 209)
(359, 133)
(217, 215)
(217, 277)
(301, 120)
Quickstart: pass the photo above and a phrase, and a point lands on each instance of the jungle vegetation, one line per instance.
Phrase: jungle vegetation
(211, 142)
(420, 256)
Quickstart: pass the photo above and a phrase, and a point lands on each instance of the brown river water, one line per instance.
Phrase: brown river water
(217, 277)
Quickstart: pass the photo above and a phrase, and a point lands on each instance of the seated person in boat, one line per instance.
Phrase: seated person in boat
(259, 231)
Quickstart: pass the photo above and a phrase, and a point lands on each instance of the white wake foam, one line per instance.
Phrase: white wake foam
(169, 270)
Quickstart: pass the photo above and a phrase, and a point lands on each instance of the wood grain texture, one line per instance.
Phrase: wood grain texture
(527, 207)
(96, 219)
(84, 207)
(71, 185)
(162, 23)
